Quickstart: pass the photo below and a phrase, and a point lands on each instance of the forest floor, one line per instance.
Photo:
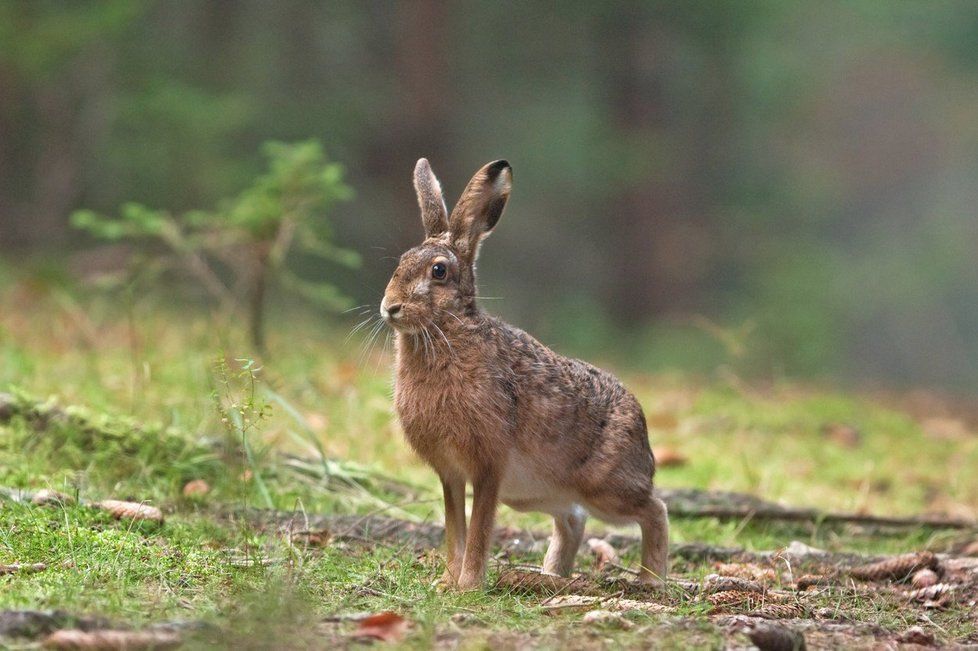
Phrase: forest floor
(277, 506)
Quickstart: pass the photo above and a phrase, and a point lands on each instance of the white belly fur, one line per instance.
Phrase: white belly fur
(523, 489)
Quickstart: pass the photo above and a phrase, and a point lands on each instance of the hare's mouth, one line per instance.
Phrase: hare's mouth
(395, 319)
(403, 328)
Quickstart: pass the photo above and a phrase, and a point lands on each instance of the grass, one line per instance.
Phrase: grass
(154, 397)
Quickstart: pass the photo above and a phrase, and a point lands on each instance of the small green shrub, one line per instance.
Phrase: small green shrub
(238, 249)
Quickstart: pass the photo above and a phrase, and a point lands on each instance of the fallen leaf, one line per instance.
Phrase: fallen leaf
(604, 553)
(971, 549)
(111, 640)
(130, 510)
(387, 626)
(668, 457)
(196, 488)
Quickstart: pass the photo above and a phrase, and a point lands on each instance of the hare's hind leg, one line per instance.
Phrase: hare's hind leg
(654, 521)
(566, 540)
(639, 505)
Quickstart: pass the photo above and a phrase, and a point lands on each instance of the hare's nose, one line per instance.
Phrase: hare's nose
(394, 309)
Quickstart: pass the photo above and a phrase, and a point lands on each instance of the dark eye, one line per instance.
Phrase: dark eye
(439, 271)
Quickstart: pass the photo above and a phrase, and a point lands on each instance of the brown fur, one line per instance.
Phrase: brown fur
(483, 402)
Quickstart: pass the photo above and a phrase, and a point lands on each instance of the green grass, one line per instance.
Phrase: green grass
(146, 401)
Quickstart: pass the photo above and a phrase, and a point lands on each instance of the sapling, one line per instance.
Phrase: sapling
(238, 249)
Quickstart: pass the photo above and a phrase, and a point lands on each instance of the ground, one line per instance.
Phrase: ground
(292, 508)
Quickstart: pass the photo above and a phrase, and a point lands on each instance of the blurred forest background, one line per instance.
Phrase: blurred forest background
(787, 187)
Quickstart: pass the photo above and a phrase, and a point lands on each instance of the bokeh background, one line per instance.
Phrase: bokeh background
(785, 188)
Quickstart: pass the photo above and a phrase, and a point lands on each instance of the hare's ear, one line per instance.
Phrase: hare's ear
(480, 207)
(434, 214)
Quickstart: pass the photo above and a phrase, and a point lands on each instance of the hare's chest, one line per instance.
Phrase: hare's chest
(447, 424)
(430, 409)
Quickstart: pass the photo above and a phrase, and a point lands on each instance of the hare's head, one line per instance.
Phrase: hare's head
(436, 279)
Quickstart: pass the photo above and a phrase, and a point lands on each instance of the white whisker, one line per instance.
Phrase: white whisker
(359, 326)
(368, 344)
(454, 316)
(442, 333)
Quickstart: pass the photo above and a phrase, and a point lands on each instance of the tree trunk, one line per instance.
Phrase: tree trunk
(661, 225)
(256, 303)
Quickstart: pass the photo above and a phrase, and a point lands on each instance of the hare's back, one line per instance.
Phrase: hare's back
(569, 406)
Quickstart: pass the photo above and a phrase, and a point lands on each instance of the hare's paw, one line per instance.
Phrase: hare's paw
(448, 581)
(469, 581)
(650, 580)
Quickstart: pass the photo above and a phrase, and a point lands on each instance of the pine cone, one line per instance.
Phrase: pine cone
(715, 583)
(780, 611)
(936, 592)
(812, 580)
(751, 571)
(130, 510)
(546, 584)
(736, 599)
(898, 568)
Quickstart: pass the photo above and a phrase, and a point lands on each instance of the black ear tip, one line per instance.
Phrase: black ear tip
(495, 169)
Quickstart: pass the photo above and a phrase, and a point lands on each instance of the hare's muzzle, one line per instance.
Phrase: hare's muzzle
(390, 312)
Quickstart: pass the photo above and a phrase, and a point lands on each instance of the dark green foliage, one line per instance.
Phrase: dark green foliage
(801, 167)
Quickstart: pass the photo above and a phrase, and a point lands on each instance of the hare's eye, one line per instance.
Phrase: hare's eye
(439, 271)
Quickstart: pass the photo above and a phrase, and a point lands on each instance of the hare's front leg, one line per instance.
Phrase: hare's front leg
(485, 488)
(453, 486)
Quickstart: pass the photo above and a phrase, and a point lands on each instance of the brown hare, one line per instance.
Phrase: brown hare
(483, 402)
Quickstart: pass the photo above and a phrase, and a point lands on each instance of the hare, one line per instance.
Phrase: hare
(481, 401)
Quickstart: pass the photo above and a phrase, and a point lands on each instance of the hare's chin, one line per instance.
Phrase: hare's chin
(401, 327)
